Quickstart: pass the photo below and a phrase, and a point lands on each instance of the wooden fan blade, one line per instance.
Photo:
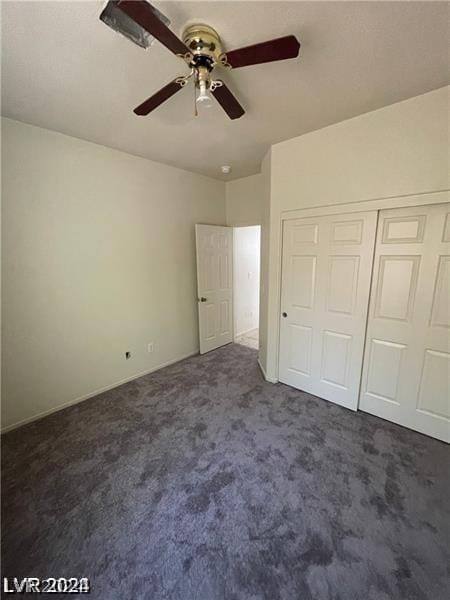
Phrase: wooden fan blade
(141, 12)
(227, 101)
(154, 101)
(279, 49)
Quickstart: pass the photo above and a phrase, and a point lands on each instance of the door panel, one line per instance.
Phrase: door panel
(396, 288)
(303, 269)
(342, 283)
(300, 349)
(433, 392)
(403, 229)
(335, 354)
(385, 367)
(406, 375)
(441, 303)
(214, 285)
(347, 232)
(325, 290)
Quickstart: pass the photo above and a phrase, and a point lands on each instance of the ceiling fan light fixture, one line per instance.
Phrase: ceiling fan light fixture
(204, 98)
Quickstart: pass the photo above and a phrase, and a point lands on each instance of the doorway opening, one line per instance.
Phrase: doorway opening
(246, 274)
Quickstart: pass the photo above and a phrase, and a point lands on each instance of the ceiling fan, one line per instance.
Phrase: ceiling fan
(202, 51)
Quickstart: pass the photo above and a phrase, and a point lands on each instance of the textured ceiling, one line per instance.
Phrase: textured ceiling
(63, 69)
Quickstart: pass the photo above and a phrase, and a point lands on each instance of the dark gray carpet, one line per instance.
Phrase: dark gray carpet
(204, 482)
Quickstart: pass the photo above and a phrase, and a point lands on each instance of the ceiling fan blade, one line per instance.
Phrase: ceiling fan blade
(227, 101)
(141, 12)
(279, 49)
(154, 101)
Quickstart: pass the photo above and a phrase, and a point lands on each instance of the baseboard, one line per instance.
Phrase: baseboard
(265, 374)
(245, 332)
(94, 393)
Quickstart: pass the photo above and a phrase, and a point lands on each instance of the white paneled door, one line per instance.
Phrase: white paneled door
(214, 285)
(326, 271)
(406, 376)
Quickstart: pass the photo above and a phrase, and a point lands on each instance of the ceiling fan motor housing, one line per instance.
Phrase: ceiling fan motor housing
(204, 44)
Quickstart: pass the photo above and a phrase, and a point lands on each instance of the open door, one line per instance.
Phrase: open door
(214, 285)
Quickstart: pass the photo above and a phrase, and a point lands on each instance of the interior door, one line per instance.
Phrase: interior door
(406, 376)
(214, 285)
(326, 272)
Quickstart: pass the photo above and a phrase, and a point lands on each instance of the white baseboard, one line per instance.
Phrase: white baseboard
(270, 380)
(95, 393)
(245, 332)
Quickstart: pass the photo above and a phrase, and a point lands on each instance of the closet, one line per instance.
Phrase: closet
(365, 313)
(406, 375)
(325, 292)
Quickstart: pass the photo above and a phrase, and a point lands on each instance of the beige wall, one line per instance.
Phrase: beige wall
(247, 203)
(243, 201)
(98, 259)
(394, 152)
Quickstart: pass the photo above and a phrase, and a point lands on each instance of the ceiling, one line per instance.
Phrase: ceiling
(65, 70)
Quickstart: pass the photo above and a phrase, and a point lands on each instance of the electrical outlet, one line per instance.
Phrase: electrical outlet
(150, 347)
(127, 355)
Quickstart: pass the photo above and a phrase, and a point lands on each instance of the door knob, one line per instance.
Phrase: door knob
(284, 314)
(203, 299)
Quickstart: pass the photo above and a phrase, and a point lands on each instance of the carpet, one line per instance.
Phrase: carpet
(204, 482)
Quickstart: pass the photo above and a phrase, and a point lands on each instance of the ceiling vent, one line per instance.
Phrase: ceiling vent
(119, 21)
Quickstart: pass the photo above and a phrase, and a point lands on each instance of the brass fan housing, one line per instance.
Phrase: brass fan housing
(204, 44)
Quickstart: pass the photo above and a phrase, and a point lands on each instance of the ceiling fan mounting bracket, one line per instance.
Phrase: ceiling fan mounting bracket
(182, 81)
(224, 62)
(214, 84)
(187, 57)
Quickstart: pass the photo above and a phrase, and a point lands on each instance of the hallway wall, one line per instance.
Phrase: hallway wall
(246, 261)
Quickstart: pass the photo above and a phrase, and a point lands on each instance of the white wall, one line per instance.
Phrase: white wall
(246, 259)
(390, 153)
(243, 201)
(98, 259)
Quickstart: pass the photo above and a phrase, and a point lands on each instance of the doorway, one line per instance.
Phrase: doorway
(246, 275)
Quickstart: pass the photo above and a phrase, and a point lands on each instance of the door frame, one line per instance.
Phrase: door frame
(378, 204)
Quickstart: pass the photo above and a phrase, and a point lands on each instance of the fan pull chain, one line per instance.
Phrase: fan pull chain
(195, 102)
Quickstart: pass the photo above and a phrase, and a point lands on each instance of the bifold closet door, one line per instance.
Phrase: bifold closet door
(326, 272)
(406, 377)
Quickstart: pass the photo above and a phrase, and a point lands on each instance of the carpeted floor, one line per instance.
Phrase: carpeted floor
(204, 482)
